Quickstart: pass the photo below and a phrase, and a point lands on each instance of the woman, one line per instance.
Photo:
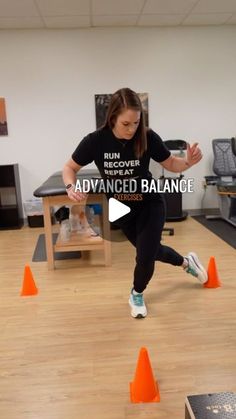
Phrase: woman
(122, 149)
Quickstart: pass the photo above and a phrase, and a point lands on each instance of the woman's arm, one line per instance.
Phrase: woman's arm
(69, 177)
(179, 164)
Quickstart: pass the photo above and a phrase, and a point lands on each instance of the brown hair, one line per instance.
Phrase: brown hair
(127, 99)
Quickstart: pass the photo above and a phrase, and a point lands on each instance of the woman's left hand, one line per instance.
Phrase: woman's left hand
(194, 154)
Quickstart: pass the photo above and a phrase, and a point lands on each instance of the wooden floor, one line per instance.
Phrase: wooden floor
(71, 351)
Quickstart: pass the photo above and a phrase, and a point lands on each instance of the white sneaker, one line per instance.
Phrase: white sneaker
(137, 304)
(195, 268)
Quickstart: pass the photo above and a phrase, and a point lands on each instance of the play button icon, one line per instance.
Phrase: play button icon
(116, 209)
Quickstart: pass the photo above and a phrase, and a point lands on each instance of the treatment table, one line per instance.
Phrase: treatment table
(53, 194)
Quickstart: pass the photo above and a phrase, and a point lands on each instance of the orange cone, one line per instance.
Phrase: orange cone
(213, 277)
(144, 388)
(28, 287)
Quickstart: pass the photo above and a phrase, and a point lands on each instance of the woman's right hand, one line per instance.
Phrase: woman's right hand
(76, 196)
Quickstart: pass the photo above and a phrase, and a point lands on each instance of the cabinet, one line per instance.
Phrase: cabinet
(11, 212)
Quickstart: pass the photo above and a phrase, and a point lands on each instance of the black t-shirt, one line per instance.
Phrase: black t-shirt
(115, 158)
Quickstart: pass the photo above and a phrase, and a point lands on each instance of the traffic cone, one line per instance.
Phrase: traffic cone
(144, 388)
(28, 287)
(213, 277)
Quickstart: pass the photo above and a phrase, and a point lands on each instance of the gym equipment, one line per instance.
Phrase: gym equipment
(224, 166)
(173, 200)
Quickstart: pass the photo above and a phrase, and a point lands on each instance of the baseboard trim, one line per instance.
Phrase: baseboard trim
(205, 211)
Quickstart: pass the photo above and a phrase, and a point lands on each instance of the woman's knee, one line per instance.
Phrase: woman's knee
(145, 263)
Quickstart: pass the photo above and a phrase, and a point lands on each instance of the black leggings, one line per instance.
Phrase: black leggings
(144, 231)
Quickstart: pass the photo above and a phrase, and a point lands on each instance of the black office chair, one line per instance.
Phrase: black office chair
(233, 145)
(224, 166)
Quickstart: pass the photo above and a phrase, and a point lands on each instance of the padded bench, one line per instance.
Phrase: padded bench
(53, 193)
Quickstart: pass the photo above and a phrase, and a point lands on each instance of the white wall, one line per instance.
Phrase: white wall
(49, 78)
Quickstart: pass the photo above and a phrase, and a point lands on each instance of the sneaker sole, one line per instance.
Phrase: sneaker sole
(203, 278)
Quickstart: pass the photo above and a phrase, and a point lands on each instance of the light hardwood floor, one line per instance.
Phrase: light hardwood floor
(71, 351)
